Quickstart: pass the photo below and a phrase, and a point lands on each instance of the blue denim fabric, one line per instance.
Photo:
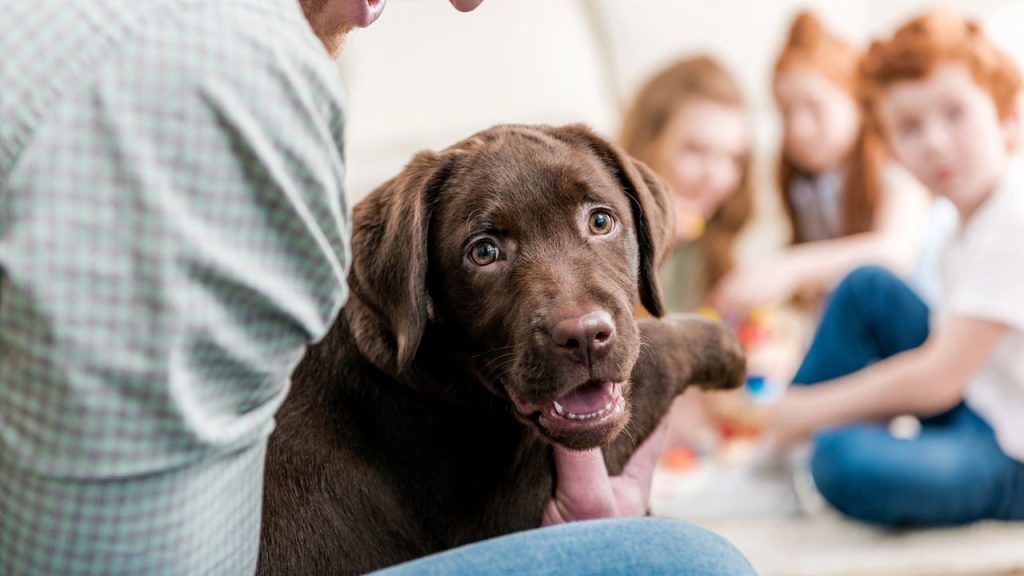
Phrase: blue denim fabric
(953, 472)
(621, 547)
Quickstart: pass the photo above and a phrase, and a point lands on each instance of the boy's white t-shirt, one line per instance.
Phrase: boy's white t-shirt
(984, 278)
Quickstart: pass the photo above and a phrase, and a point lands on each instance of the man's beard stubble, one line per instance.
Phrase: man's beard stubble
(332, 39)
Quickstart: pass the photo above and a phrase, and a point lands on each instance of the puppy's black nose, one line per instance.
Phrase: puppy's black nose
(585, 338)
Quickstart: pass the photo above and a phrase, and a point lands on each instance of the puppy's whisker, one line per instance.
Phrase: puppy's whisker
(500, 358)
(498, 363)
(503, 371)
(629, 432)
(492, 351)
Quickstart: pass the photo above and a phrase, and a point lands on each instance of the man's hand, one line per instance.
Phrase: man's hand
(585, 491)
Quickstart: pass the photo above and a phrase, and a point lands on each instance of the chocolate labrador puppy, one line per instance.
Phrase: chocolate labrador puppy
(490, 315)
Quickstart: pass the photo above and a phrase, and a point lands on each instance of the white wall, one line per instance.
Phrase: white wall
(425, 75)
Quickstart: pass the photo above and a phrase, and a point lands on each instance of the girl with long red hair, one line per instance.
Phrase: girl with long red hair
(847, 203)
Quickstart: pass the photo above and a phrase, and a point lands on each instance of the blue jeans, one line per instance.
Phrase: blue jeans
(954, 472)
(649, 546)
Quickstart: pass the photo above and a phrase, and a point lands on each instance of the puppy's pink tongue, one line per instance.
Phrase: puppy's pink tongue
(589, 398)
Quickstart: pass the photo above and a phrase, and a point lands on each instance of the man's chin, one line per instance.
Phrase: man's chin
(331, 22)
(362, 13)
(465, 5)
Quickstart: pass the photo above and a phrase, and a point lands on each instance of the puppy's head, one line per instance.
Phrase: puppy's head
(528, 248)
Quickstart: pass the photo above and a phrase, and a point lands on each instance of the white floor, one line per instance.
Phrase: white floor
(827, 545)
(783, 534)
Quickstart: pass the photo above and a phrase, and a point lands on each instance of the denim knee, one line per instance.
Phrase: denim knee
(614, 547)
(671, 544)
(866, 282)
(847, 478)
(656, 547)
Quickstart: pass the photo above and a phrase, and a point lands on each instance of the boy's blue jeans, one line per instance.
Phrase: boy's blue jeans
(952, 473)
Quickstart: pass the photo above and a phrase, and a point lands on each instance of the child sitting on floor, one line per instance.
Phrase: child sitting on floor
(945, 99)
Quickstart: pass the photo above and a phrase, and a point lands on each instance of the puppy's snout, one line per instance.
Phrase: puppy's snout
(585, 338)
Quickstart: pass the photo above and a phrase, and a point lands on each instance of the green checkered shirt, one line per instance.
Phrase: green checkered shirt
(173, 232)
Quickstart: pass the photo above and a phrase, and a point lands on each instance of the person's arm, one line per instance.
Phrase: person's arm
(894, 243)
(585, 491)
(925, 381)
(179, 236)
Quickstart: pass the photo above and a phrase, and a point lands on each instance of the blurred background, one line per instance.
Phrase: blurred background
(427, 76)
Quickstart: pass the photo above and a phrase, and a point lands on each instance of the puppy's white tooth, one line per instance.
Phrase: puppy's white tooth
(559, 409)
(608, 405)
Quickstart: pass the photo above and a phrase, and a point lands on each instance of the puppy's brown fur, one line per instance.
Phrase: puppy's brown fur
(422, 421)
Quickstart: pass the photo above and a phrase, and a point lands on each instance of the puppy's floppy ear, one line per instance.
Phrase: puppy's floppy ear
(651, 204)
(387, 308)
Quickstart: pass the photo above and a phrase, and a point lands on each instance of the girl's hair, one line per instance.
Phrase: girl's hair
(811, 47)
(921, 45)
(695, 78)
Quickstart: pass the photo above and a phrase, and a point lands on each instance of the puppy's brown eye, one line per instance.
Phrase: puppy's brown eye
(484, 253)
(601, 223)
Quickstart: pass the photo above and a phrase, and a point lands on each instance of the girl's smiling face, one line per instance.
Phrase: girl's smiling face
(702, 153)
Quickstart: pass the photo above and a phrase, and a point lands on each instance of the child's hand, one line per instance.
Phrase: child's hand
(746, 288)
(734, 408)
(788, 421)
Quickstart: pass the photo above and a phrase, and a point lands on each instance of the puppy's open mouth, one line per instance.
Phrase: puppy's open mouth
(593, 401)
(588, 415)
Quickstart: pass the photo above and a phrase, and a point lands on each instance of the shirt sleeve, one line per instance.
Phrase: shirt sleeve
(989, 283)
(173, 232)
(177, 234)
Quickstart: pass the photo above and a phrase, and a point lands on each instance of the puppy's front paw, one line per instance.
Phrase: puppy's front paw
(716, 358)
